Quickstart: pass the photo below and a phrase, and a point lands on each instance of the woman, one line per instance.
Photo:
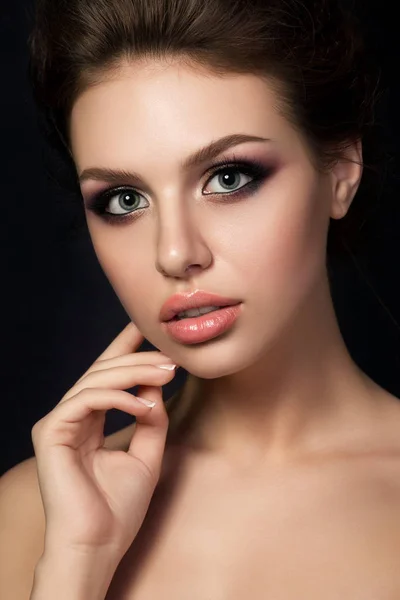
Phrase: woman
(215, 143)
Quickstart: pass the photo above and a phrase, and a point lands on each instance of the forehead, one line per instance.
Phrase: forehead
(141, 107)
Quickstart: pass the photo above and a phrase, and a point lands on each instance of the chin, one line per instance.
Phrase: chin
(214, 359)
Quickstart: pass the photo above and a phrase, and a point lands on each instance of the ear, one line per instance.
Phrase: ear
(346, 176)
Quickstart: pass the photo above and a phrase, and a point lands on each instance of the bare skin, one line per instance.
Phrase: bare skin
(281, 474)
(322, 525)
(280, 477)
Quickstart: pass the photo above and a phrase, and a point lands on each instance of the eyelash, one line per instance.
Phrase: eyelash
(254, 169)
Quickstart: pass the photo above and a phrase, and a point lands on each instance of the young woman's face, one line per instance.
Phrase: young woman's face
(255, 232)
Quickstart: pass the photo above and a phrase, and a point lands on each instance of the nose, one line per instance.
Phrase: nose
(181, 248)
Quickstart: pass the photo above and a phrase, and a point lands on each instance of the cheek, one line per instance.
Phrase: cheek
(124, 262)
(283, 241)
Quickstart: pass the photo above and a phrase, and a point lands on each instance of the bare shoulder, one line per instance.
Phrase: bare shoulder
(22, 525)
(22, 521)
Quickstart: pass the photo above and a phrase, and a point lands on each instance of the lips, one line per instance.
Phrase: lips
(198, 299)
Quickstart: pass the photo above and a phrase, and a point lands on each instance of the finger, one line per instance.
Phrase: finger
(122, 378)
(138, 358)
(148, 440)
(61, 422)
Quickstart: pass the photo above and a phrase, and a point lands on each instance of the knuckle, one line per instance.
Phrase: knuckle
(66, 396)
(35, 431)
(86, 392)
(87, 377)
(38, 431)
(38, 426)
(98, 362)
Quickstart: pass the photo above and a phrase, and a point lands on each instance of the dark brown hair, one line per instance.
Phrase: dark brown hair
(313, 49)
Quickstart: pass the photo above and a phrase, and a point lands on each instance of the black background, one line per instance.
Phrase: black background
(58, 311)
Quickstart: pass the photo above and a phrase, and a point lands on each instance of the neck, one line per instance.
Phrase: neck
(304, 395)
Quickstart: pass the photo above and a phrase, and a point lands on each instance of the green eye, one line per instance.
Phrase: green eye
(126, 201)
(230, 179)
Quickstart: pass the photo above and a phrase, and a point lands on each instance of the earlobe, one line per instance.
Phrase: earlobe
(346, 177)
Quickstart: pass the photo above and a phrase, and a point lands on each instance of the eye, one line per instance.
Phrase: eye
(230, 179)
(126, 201)
(120, 201)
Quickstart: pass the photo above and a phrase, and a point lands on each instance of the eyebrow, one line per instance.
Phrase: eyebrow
(199, 157)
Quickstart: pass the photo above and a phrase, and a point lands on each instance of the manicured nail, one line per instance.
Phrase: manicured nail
(168, 367)
(146, 402)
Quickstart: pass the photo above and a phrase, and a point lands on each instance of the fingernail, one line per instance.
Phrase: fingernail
(146, 402)
(168, 367)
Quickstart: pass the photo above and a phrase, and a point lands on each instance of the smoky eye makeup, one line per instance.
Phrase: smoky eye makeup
(222, 170)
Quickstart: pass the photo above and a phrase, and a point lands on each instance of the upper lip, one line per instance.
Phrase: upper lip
(184, 301)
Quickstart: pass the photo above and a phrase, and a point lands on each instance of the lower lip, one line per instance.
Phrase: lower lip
(194, 330)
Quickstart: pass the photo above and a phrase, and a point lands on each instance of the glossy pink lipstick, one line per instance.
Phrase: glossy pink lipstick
(196, 329)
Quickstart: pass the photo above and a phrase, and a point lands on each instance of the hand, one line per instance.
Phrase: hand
(96, 499)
